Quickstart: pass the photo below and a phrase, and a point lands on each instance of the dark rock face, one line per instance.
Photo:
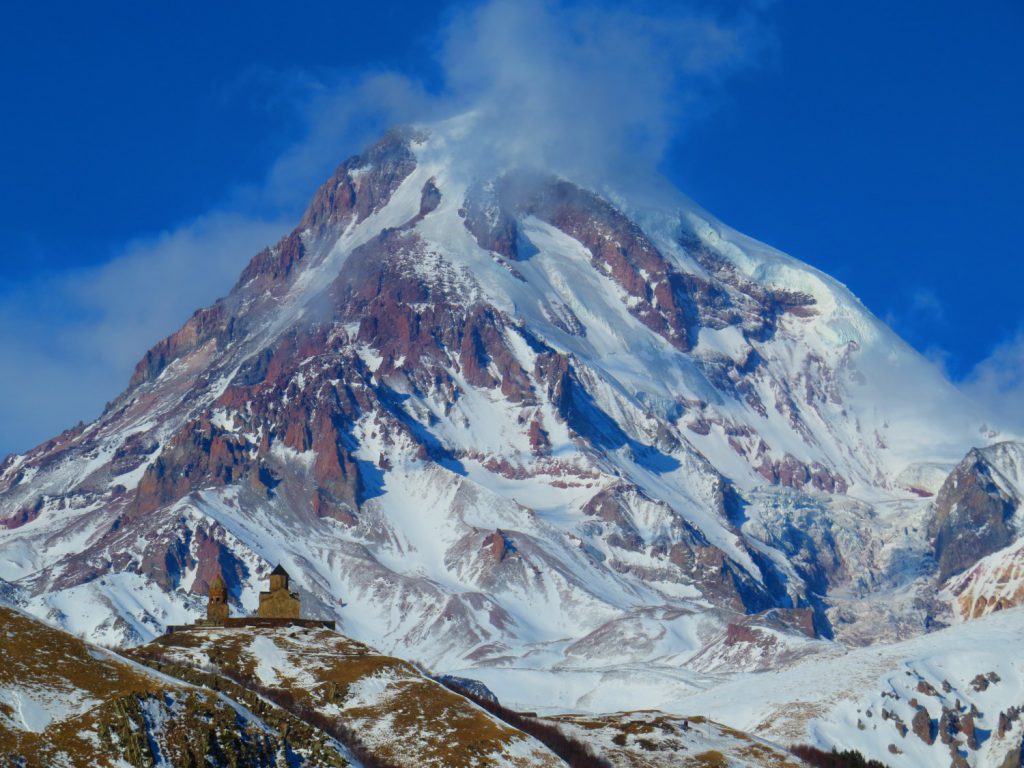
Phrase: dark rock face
(466, 685)
(500, 545)
(686, 553)
(973, 513)
(923, 726)
(23, 516)
(493, 226)
(969, 730)
(755, 307)
(203, 326)
(198, 456)
(135, 452)
(361, 185)
(792, 473)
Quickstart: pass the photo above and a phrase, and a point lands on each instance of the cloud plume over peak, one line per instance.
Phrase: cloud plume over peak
(585, 89)
(592, 90)
(997, 383)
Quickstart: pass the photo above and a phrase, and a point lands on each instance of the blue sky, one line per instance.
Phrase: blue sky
(148, 150)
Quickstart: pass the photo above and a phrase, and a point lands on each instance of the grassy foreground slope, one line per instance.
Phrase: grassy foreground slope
(65, 703)
(388, 707)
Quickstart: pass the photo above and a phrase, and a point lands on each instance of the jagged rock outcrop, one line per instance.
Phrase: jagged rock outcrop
(974, 513)
(923, 726)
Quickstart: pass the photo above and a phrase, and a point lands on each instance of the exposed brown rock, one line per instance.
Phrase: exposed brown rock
(382, 168)
(972, 516)
(23, 516)
(792, 473)
(325, 505)
(969, 730)
(335, 470)
(500, 544)
(134, 452)
(204, 325)
(740, 633)
(923, 727)
(948, 726)
(197, 456)
(539, 441)
(957, 760)
(979, 683)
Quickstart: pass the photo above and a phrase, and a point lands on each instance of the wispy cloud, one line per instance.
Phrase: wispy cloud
(585, 90)
(914, 309)
(997, 383)
(594, 90)
(597, 90)
(69, 341)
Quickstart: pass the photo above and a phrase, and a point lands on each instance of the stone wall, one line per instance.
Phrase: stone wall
(254, 621)
(279, 604)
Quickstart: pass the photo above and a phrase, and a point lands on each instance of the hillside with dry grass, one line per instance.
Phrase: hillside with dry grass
(65, 703)
(385, 707)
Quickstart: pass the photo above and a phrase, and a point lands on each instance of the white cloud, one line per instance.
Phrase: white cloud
(585, 90)
(342, 116)
(997, 383)
(597, 92)
(70, 341)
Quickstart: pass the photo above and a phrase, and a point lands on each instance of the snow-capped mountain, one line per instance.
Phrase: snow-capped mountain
(506, 422)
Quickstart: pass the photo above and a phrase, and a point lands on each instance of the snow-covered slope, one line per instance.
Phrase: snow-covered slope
(656, 740)
(959, 691)
(507, 423)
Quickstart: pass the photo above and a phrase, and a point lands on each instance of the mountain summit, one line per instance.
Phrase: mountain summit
(524, 426)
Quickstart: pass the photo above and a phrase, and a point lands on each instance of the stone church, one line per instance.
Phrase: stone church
(279, 606)
(217, 601)
(279, 602)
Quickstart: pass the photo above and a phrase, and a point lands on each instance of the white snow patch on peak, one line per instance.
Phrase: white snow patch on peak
(1007, 458)
(281, 451)
(726, 341)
